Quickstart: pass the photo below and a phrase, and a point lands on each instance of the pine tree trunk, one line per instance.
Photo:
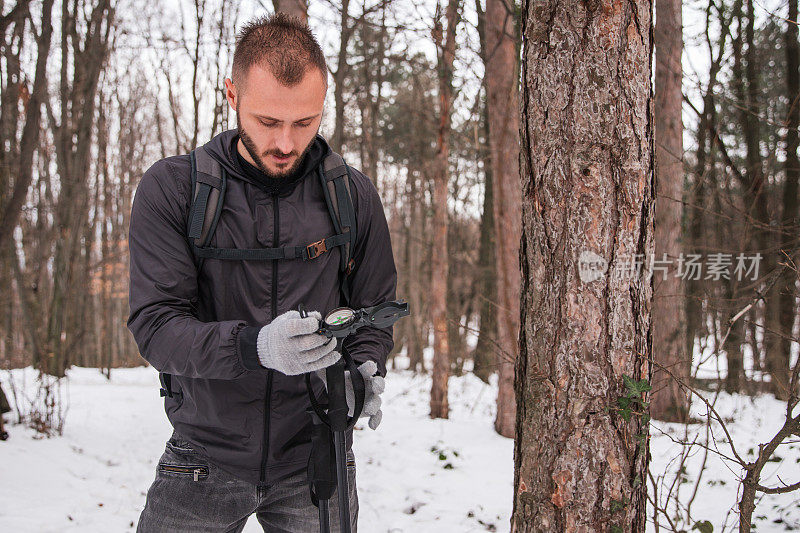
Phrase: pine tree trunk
(416, 342)
(503, 107)
(786, 285)
(669, 402)
(484, 357)
(588, 188)
(342, 70)
(446, 42)
(756, 199)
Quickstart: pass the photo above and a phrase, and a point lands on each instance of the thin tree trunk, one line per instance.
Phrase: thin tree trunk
(669, 402)
(446, 45)
(588, 199)
(789, 226)
(484, 358)
(106, 261)
(342, 71)
(503, 108)
(756, 198)
(417, 293)
(30, 132)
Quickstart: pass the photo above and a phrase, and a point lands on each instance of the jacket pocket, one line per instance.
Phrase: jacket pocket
(180, 446)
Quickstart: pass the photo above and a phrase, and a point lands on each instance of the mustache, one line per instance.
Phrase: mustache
(278, 153)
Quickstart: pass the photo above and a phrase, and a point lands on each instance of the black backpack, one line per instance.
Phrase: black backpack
(209, 182)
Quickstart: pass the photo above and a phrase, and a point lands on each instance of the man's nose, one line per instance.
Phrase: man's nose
(284, 141)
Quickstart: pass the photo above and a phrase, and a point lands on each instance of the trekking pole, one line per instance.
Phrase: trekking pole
(337, 412)
(340, 323)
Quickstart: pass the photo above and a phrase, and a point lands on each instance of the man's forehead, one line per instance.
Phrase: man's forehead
(267, 97)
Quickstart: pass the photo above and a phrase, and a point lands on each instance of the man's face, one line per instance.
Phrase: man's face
(277, 124)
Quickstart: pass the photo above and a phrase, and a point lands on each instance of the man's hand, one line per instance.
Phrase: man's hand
(373, 387)
(290, 344)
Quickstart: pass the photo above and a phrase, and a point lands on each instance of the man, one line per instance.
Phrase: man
(226, 335)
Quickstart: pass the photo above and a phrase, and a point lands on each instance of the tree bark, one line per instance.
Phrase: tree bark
(756, 199)
(789, 225)
(588, 188)
(30, 132)
(484, 357)
(503, 108)
(669, 402)
(446, 47)
(342, 71)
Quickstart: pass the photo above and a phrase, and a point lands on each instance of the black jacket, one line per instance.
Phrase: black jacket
(201, 326)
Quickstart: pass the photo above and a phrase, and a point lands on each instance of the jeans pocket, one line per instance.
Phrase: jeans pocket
(196, 472)
(181, 460)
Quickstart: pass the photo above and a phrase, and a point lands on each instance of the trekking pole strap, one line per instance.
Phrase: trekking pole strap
(359, 391)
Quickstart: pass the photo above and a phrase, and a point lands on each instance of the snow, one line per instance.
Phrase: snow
(414, 474)
(750, 421)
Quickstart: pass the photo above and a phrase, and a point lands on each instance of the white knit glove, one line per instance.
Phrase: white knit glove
(373, 388)
(290, 344)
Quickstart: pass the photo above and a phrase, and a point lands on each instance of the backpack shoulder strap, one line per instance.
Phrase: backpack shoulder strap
(209, 182)
(335, 179)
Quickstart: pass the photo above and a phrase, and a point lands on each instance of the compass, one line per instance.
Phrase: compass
(344, 321)
(340, 318)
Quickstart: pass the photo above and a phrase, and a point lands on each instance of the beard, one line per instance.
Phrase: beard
(251, 148)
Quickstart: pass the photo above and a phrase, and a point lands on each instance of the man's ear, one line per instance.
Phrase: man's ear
(231, 94)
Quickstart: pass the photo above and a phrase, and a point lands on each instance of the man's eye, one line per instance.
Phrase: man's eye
(268, 124)
(303, 124)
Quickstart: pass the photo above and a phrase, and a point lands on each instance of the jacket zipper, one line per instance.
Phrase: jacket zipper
(196, 471)
(274, 301)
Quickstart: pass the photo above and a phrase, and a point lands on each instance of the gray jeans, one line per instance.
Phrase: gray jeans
(190, 494)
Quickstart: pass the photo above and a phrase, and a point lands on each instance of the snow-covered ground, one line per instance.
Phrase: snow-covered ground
(750, 422)
(415, 474)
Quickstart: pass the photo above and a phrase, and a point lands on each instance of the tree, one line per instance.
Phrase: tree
(502, 89)
(669, 402)
(14, 90)
(445, 40)
(786, 284)
(581, 448)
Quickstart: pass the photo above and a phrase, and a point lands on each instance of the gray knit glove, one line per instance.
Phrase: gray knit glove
(373, 385)
(290, 344)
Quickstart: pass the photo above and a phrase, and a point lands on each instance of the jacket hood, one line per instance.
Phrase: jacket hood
(220, 148)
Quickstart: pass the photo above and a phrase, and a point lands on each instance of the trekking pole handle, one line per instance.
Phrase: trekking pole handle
(337, 399)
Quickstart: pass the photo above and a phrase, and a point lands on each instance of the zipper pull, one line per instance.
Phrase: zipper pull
(196, 474)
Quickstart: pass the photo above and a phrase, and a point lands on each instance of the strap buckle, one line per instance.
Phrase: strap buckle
(316, 249)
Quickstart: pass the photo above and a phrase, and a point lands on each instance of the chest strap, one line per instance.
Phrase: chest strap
(306, 253)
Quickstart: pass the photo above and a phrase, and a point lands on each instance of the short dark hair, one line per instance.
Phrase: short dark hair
(281, 42)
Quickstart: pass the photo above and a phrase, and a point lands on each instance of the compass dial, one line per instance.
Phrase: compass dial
(340, 317)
